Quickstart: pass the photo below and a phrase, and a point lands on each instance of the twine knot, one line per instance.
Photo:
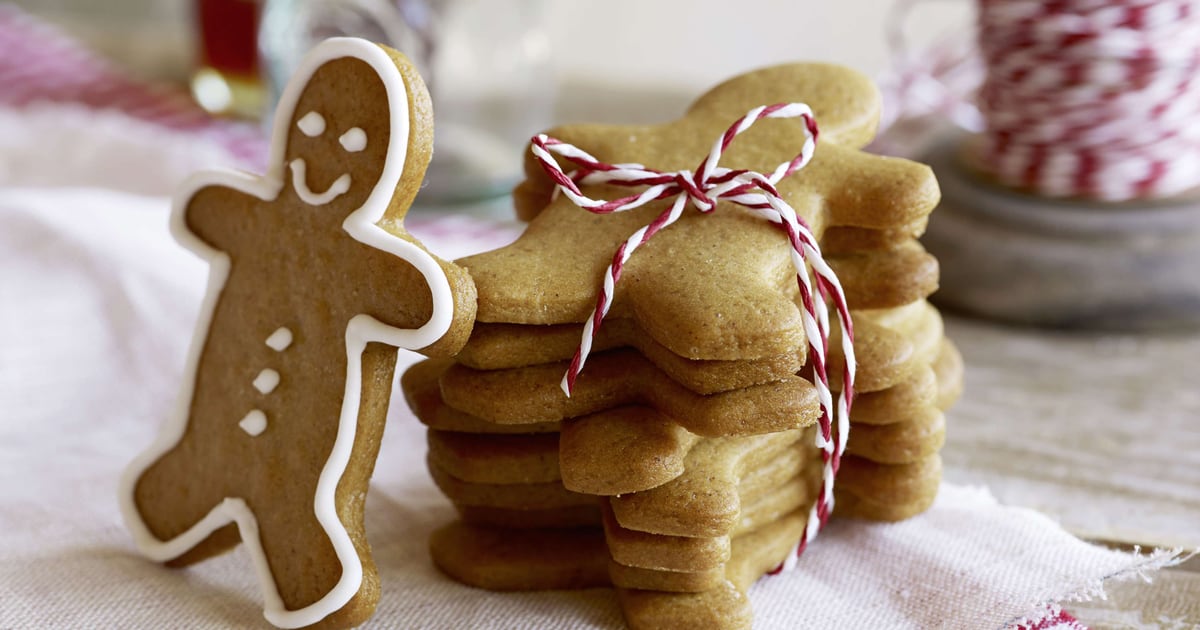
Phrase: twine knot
(703, 189)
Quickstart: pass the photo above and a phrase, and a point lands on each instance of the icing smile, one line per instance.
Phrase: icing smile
(300, 183)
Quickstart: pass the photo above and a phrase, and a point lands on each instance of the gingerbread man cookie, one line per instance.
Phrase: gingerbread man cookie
(313, 285)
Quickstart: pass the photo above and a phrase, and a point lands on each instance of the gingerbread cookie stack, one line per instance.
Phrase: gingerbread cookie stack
(684, 464)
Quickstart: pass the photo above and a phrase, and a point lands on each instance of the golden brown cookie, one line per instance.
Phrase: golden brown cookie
(313, 284)
(892, 470)
(886, 492)
(759, 478)
(653, 450)
(572, 516)
(727, 605)
(900, 442)
(689, 573)
(504, 559)
(897, 425)
(875, 279)
(706, 500)
(502, 346)
(890, 345)
(760, 506)
(532, 559)
(736, 467)
(620, 378)
(886, 278)
(846, 240)
(513, 496)
(948, 366)
(501, 459)
(728, 270)
(652, 447)
(667, 553)
(898, 403)
(423, 395)
(694, 415)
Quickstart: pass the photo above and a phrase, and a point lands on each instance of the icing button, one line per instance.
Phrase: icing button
(280, 339)
(266, 381)
(254, 423)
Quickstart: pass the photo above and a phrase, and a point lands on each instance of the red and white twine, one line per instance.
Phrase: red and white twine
(704, 188)
(1097, 99)
(1092, 99)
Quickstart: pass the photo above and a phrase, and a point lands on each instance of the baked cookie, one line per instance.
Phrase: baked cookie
(625, 378)
(685, 462)
(728, 270)
(313, 285)
(893, 469)
(571, 558)
(876, 279)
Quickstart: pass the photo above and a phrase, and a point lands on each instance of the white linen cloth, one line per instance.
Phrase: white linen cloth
(96, 307)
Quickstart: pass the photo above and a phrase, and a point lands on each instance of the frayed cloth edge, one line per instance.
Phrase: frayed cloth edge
(1142, 568)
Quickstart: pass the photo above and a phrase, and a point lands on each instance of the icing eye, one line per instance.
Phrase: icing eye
(312, 124)
(354, 140)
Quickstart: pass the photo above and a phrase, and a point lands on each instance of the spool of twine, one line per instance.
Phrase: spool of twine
(1090, 99)
(1087, 110)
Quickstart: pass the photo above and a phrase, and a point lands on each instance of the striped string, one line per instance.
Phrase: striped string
(1094, 99)
(703, 189)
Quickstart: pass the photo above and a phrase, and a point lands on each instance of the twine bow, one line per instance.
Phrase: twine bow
(704, 188)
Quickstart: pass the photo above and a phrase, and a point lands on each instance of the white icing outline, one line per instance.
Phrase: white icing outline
(254, 423)
(280, 340)
(354, 140)
(361, 329)
(311, 124)
(300, 183)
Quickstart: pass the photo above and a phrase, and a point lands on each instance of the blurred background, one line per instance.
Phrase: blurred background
(683, 44)
(498, 71)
